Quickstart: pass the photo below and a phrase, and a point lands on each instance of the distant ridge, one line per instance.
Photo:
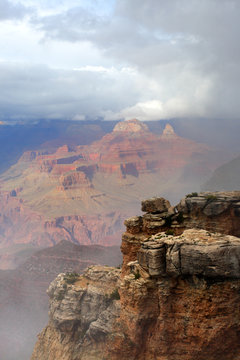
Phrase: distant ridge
(225, 177)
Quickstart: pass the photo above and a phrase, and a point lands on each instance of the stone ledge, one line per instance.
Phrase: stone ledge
(195, 252)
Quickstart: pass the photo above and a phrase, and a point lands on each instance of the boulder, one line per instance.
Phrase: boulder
(155, 205)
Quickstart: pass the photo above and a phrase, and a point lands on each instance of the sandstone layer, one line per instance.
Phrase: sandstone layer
(176, 297)
(83, 193)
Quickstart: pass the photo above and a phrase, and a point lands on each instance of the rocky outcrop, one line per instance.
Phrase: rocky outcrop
(82, 315)
(195, 252)
(179, 291)
(74, 181)
(23, 298)
(214, 211)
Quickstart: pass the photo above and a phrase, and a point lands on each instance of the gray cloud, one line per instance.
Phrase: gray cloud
(184, 55)
(9, 11)
(188, 48)
(34, 92)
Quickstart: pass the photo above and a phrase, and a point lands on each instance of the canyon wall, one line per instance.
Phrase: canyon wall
(83, 193)
(176, 297)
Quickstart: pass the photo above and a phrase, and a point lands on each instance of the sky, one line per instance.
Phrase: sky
(119, 59)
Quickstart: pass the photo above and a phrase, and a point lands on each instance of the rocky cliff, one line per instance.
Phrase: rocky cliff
(175, 298)
(23, 298)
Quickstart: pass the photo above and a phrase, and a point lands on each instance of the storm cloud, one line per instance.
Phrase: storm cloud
(33, 92)
(151, 59)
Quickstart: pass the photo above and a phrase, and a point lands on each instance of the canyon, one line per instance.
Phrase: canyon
(70, 191)
(176, 296)
(82, 193)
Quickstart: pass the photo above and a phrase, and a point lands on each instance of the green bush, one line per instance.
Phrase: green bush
(210, 197)
(137, 275)
(114, 295)
(71, 277)
(169, 232)
(193, 194)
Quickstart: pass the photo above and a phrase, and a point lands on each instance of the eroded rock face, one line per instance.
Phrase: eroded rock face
(195, 252)
(217, 211)
(82, 312)
(179, 291)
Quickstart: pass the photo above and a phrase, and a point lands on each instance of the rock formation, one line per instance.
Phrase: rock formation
(168, 132)
(176, 297)
(23, 298)
(83, 193)
(131, 126)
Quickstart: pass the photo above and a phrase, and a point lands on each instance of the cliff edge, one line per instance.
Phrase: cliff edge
(176, 297)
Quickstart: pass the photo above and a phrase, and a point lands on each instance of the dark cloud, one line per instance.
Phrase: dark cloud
(188, 47)
(185, 55)
(34, 92)
(9, 11)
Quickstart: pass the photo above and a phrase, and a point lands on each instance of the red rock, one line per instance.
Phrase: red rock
(91, 182)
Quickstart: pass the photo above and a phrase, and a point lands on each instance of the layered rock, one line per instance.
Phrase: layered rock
(82, 193)
(132, 126)
(214, 211)
(195, 252)
(21, 225)
(82, 310)
(179, 293)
